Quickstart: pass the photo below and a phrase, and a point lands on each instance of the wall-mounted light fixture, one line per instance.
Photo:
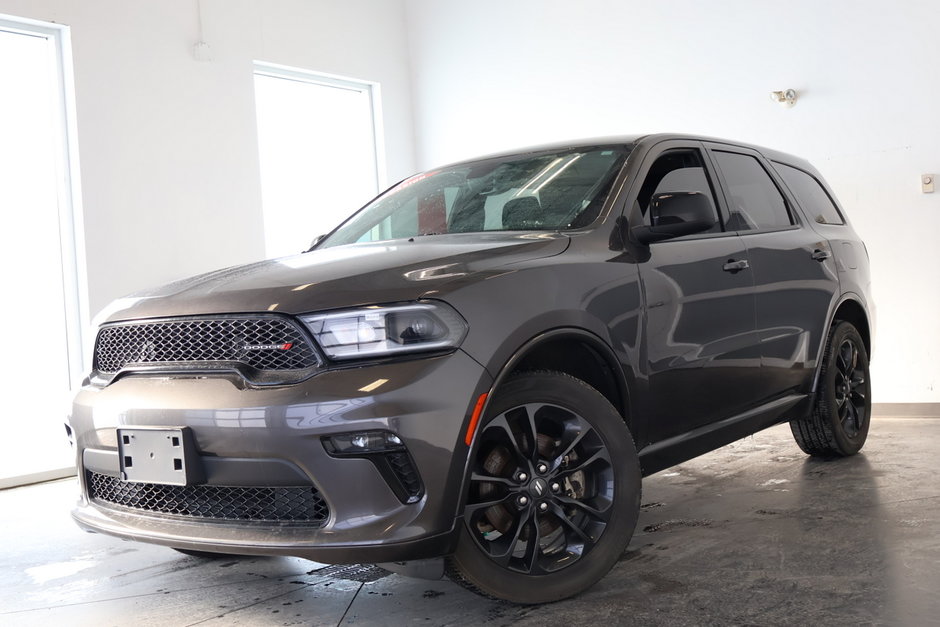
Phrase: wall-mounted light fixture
(785, 98)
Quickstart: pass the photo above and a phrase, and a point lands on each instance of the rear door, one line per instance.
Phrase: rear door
(793, 270)
(701, 355)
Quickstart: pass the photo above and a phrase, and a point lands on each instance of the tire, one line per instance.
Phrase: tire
(579, 495)
(838, 424)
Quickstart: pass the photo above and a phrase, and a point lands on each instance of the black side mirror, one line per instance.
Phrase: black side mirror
(676, 214)
(316, 240)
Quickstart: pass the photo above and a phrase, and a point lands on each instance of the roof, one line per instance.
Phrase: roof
(648, 140)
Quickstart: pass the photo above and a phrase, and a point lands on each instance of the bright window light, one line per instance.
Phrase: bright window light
(37, 247)
(317, 143)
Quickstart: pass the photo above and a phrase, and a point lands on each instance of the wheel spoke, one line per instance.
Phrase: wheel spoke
(843, 409)
(600, 454)
(578, 436)
(533, 546)
(500, 423)
(472, 509)
(602, 515)
(484, 478)
(861, 411)
(846, 358)
(586, 540)
(532, 431)
(850, 421)
(505, 556)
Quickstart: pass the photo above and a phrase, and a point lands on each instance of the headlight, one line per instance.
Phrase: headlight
(387, 330)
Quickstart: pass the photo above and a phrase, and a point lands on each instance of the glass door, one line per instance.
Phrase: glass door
(39, 295)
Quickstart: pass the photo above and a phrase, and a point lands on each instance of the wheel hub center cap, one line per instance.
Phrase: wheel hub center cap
(538, 487)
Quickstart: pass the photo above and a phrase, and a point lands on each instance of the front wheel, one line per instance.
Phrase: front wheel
(838, 424)
(554, 492)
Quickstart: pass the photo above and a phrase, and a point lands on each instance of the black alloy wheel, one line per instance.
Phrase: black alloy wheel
(838, 424)
(553, 492)
(850, 389)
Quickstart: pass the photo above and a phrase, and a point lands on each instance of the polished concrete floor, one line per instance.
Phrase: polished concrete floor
(752, 534)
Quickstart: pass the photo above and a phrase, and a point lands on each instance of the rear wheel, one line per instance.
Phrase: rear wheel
(554, 492)
(841, 413)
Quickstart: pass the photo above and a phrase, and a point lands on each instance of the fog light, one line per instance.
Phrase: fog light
(390, 456)
(362, 443)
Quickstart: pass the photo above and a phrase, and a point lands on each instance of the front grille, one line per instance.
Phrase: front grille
(300, 504)
(261, 342)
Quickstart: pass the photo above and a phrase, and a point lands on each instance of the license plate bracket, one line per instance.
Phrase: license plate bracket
(158, 455)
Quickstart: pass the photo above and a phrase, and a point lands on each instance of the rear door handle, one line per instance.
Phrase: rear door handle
(735, 266)
(820, 254)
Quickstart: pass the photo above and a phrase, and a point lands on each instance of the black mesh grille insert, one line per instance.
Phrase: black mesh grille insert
(301, 504)
(261, 342)
(405, 471)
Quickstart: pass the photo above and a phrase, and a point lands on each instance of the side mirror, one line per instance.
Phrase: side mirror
(676, 214)
(316, 240)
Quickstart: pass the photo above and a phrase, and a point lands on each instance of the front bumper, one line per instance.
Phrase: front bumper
(271, 436)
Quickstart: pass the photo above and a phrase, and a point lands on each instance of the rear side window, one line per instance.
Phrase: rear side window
(754, 202)
(811, 194)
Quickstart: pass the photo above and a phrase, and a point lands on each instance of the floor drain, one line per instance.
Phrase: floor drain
(363, 573)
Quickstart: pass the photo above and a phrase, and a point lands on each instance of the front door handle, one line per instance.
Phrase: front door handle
(820, 254)
(735, 265)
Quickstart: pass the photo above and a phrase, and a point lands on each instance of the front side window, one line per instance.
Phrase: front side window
(535, 192)
(679, 170)
(754, 202)
(813, 198)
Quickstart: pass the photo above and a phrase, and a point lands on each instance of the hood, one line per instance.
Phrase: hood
(342, 276)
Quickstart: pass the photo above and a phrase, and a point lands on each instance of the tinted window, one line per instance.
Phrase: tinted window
(676, 171)
(754, 202)
(813, 198)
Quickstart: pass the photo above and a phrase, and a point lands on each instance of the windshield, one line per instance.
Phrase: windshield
(542, 191)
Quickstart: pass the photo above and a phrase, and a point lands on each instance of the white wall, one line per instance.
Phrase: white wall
(169, 151)
(490, 74)
(168, 144)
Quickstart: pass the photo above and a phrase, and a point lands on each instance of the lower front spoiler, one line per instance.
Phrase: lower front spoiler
(277, 540)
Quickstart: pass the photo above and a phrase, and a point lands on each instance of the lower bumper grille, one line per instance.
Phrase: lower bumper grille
(300, 504)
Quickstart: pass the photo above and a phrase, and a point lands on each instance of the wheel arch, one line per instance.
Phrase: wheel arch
(850, 309)
(579, 353)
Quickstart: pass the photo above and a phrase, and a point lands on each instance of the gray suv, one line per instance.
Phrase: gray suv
(471, 375)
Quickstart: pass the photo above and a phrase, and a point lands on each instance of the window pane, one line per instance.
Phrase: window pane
(753, 198)
(811, 195)
(36, 307)
(677, 171)
(318, 160)
(544, 192)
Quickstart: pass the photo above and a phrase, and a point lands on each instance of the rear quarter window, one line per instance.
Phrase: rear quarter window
(811, 195)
